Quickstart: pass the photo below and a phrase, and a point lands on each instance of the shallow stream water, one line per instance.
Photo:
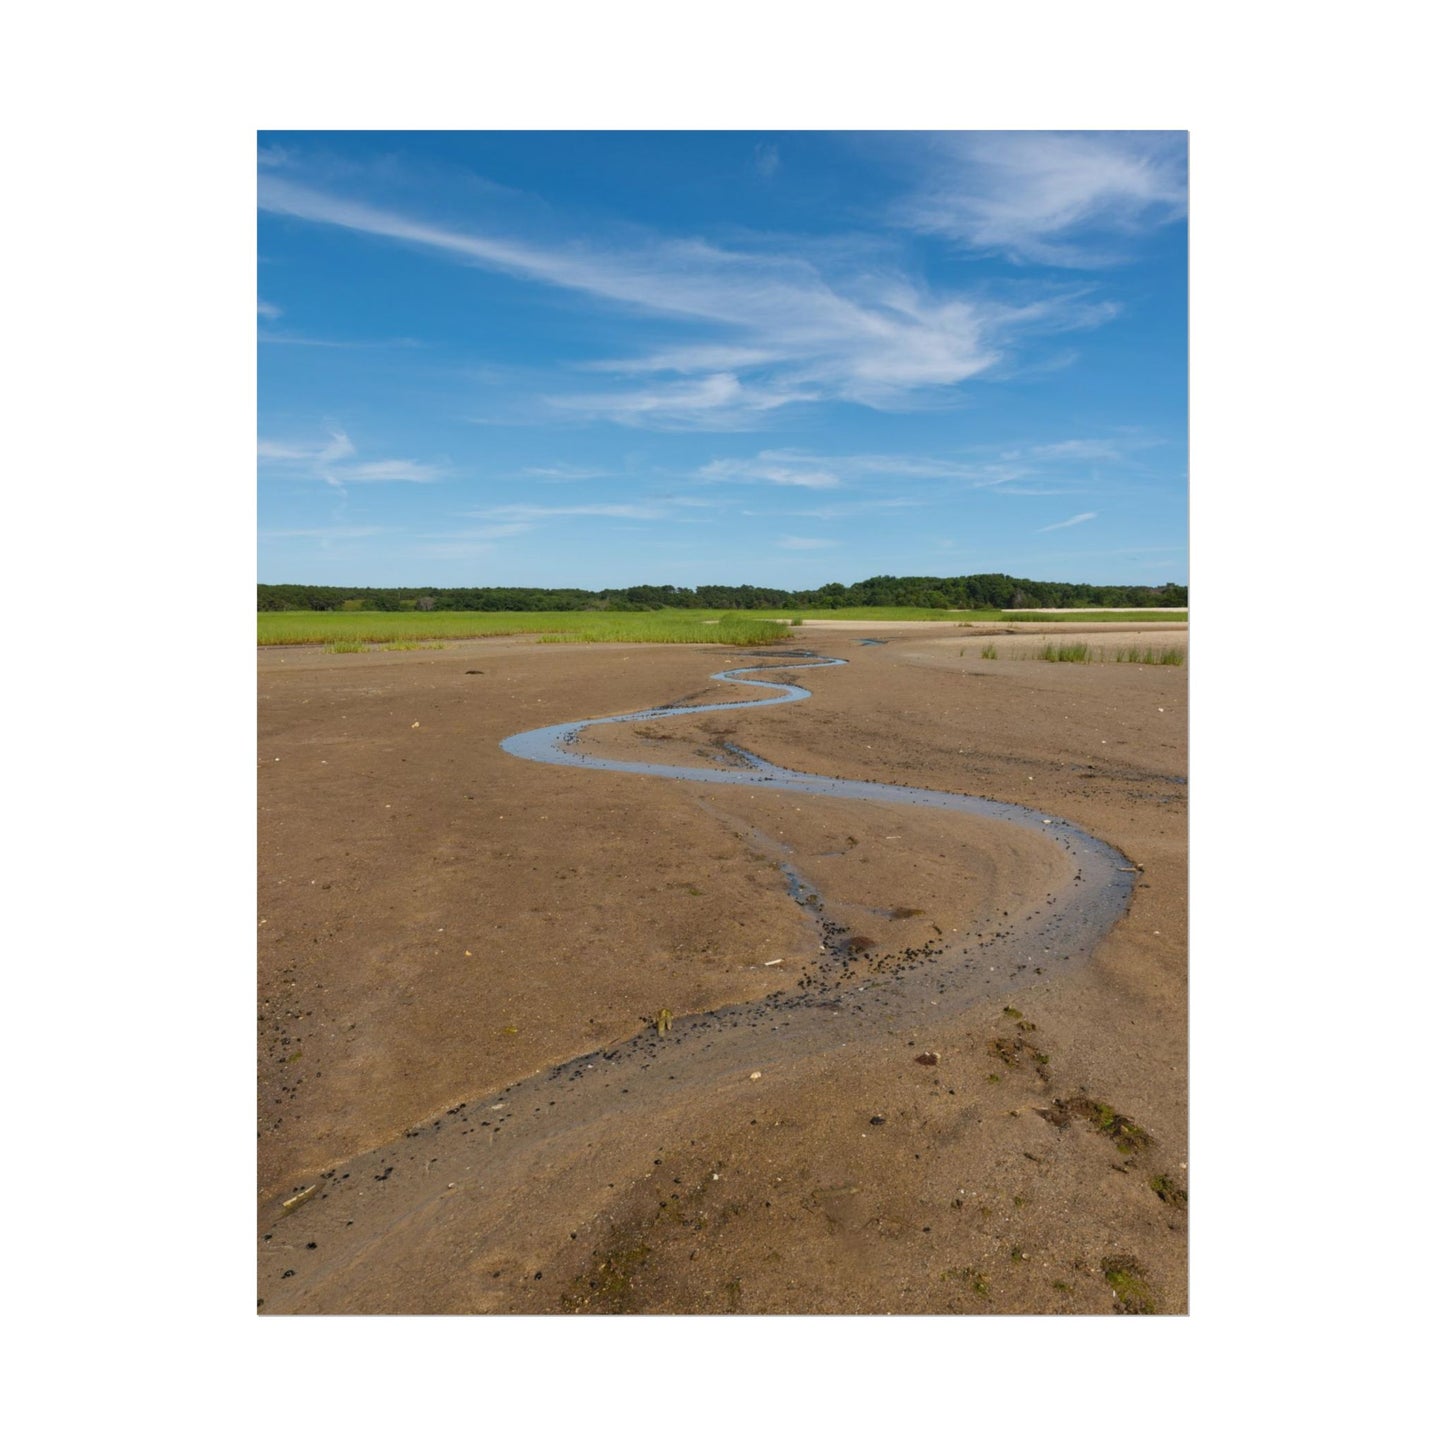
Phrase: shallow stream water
(1102, 887)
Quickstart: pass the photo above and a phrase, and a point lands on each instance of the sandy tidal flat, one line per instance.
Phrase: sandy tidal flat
(441, 922)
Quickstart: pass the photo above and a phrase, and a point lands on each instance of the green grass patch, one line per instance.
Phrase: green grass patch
(1151, 656)
(728, 629)
(1063, 652)
(1055, 650)
(351, 631)
(735, 628)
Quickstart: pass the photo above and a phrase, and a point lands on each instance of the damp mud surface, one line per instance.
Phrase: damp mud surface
(746, 1009)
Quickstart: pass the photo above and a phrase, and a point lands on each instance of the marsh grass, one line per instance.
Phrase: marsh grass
(1055, 651)
(990, 653)
(1064, 652)
(729, 629)
(676, 624)
(1151, 656)
(352, 631)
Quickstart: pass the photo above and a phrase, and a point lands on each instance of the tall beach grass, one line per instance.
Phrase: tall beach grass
(1053, 651)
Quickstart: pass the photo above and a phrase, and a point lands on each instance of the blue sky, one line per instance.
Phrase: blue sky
(599, 359)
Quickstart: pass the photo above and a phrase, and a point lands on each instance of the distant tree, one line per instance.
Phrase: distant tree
(984, 590)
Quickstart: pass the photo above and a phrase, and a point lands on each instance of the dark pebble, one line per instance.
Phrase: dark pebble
(877, 1119)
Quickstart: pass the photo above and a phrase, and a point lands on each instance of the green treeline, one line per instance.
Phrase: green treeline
(987, 590)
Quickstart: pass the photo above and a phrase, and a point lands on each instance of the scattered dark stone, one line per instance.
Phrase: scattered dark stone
(311, 1245)
(927, 1058)
(286, 1274)
(877, 1119)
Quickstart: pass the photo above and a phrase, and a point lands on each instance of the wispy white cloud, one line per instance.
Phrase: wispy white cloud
(329, 534)
(805, 544)
(834, 511)
(688, 360)
(1071, 522)
(564, 472)
(466, 542)
(719, 402)
(766, 159)
(521, 512)
(1079, 449)
(328, 462)
(1015, 491)
(1060, 198)
(787, 327)
(790, 467)
(394, 469)
(487, 534)
(882, 481)
(781, 468)
(337, 446)
(270, 337)
(266, 310)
